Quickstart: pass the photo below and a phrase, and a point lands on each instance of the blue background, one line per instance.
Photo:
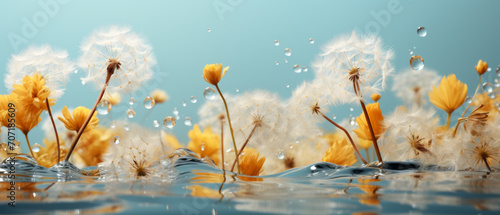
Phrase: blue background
(242, 35)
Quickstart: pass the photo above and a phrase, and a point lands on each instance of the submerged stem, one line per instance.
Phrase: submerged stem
(222, 144)
(245, 144)
(29, 145)
(347, 134)
(230, 127)
(55, 130)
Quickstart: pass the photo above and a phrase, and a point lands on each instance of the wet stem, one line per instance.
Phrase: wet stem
(230, 127)
(222, 157)
(245, 144)
(29, 145)
(486, 163)
(55, 130)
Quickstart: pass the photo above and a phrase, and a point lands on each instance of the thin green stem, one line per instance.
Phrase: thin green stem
(230, 128)
(55, 130)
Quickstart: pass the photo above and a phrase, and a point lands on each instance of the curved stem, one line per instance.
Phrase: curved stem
(486, 163)
(230, 127)
(29, 145)
(89, 117)
(477, 88)
(456, 127)
(347, 134)
(245, 144)
(447, 125)
(222, 144)
(55, 130)
(375, 144)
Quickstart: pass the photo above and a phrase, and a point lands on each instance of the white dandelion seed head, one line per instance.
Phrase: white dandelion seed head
(211, 110)
(364, 54)
(413, 86)
(128, 48)
(53, 65)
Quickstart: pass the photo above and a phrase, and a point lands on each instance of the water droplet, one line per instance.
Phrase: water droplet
(416, 62)
(103, 107)
(3, 146)
(169, 122)
(291, 146)
(297, 68)
(193, 99)
(156, 124)
(305, 69)
(489, 69)
(288, 52)
(421, 32)
(276, 42)
(36, 147)
(280, 155)
(286, 61)
(237, 90)
(209, 30)
(187, 121)
(126, 127)
(131, 101)
(492, 95)
(83, 81)
(487, 88)
(334, 117)
(209, 93)
(130, 113)
(229, 150)
(411, 51)
(287, 86)
(498, 106)
(468, 100)
(76, 71)
(116, 140)
(148, 102)
(183, 103)
(277, 63)
(214, 211)
(311, 40)
(175, 111)
(112, 125)
(353, 120)
(351, 109)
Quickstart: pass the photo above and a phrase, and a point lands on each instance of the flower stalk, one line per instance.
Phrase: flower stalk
(55, 130)
(230, 127)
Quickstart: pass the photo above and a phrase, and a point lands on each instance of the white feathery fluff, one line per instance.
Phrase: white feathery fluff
(413, 86)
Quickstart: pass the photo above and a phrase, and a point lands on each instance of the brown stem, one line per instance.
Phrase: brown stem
(245, 144)
(55, 130)
(448, 119)
(377, 150)
(29, 145)
(486, 163)
(347, 134)
(222, 144)
(230, 127)
(367, 155)
(477, 88)
(89, 117)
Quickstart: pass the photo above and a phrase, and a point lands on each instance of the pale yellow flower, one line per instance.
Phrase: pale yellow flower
(33, 93)
(75, 122)
(340, 153)
(113, 98)
(201, 191)
(375, 97)
(159, 96)
(93, 145)
(376, 119)
(250, 162)
(26, 119)
(46, 156)
(205, 144)
(213, 73)
(481, 67)
(449, 95)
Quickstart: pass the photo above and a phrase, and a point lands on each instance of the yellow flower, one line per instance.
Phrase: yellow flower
(171, 141)
(113, 98)
(376, 119)
(205, 144)
(27, 119)
(6, 151)
(4, 108)
(75, 122)
(47, 156)
(481, 67)
(202, 191)
(449, 95)
(340, 153)
(250, 163)
(93, 145)
(33, 93)
(375, 97)
(159, 96)
(489, 105)
(213, 73)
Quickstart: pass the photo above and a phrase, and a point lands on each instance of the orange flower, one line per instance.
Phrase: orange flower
(33, 93)
(213, 73)
(250, 163)
(481, 67)
(340, 153)
(376, 119)
(205, 144)
(75, 122)
(375, 97)
(449, 95)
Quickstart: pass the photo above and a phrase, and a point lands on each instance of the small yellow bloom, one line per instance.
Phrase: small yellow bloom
(375, 97)
(481, 67)
(27, 119)
(159, 96)
(47, 156)
(213, 73)
(33, 93)
(113, 98)
(75, 122)
(449, 95)
(376, 119)
(202, 191)
(205, 144)
(250, 163)
(93, 145)
(340, 153)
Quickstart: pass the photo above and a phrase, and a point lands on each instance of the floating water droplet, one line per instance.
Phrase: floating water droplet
(209, 93)
(167, 207)
(421, 32)
(334, 117)
(352, 121)
(286, 61)
(489, 69)
(36, 147)
(416, 62)
(17, 144)
(487, 88)
(126, 127)
(209, 30)
(311, 41)
(103, 107)
(187, 121)
(276, 42)
(148, 102)
(175, 111)
(492, 95)
(277, 63)
(193, 99)
(156, 124)
(130, 113)
(169, 122)
(498, 106)
(177, 117)
(83, 81)
(76, 71)
(237, 90)
(297, 68)
(351, 109)
(112, 125)
(411, 51)
(468, 100)
(305, 69)
(288, 52)
(131, 101)
(280, 155)
(183, 103)
(3, 146)
(287, 86)
(291, 146)
(116, 140)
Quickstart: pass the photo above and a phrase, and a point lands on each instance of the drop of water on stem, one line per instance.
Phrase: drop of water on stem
(36, 147)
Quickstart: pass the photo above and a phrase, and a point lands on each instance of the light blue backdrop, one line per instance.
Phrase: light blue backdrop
(242, 35)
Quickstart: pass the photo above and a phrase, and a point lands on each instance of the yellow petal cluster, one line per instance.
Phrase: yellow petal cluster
(481, 67)
(205, 144)
(27, 119)
(75, 122)
(213, 73)
(47, 156)
(93, 145)
(449, 95)
(32, 93)
(340, 153)
(376, 119)
(489, 105)
(4, 107)
(159, 96)
(250, 162)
